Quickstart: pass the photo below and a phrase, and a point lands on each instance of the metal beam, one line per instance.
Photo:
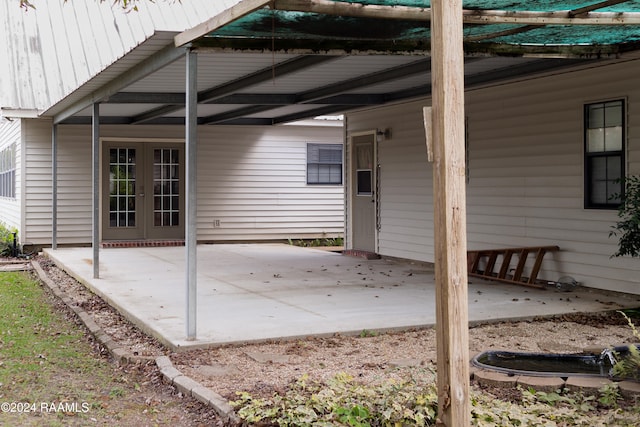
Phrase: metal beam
(269, 73)
(416, 67)
(191, 218)
(317, 95)
(313, 113)
(145, 98)
(154, 63)
(529, 68)
(233, 114)
(54, 187)
(260, 76)
(155, 113)
(257, 98)
(95, 201)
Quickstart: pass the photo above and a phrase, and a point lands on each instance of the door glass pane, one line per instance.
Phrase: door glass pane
(166, 187)
(122, 187)
(364, 182)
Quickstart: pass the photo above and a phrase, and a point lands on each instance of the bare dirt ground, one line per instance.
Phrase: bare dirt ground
(267, 367)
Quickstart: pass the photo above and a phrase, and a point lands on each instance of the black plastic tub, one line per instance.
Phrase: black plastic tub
(551, 364)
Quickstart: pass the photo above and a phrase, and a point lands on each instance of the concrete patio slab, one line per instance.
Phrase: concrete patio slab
(257, 292)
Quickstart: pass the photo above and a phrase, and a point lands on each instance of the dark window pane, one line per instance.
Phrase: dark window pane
(364, 182)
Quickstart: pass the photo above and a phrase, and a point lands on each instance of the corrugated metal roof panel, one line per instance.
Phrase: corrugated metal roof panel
(49, 52)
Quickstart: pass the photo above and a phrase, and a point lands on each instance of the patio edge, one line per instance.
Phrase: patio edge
(172, 376)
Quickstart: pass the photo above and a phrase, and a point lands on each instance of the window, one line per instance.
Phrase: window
(604, 153)
(324, 164)
(8, 172)
(166, 187)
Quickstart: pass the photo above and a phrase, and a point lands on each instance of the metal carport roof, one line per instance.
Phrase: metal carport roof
(265, 62)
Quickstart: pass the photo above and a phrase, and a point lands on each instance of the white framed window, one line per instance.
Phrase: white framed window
(604, 159)
(324, 164)
(8, 172)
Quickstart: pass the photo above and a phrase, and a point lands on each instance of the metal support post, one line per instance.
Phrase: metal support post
(95, 204)
(191, 235)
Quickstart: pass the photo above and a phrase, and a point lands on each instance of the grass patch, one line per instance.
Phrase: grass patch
(46, 360)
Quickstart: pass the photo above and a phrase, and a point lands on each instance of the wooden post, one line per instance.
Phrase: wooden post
(452, 333)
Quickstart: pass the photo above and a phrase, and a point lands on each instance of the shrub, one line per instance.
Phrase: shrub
(629, 366)
(628, 226)
(6, 240)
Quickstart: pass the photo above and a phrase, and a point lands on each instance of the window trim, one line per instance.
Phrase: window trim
(318, 163)
(8, 171)
(587, 171)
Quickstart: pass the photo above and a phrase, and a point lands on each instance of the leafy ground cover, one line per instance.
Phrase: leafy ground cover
(52, 373)
(344, 402)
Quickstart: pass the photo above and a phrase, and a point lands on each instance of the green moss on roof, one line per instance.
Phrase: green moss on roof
(268, 24)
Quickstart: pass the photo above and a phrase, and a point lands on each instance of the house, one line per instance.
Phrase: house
(528, 168)
(549, 127)
(232, 70)
(263, 182)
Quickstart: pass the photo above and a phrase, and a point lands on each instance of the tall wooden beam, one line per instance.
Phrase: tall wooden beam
(448, 133)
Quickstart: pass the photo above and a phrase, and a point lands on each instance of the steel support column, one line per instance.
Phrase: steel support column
(95, 203)
(191, 235)
(54, 187)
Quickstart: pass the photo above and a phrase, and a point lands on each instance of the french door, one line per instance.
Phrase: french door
(142, 190)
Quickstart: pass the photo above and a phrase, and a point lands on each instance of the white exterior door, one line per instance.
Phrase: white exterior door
(363, 192)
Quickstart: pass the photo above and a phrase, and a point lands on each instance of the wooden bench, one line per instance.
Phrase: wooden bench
(477, 268)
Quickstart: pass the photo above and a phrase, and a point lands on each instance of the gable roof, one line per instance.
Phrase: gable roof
(51, 51)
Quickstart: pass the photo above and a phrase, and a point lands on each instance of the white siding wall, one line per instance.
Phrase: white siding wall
(10, 207)
(526, 174)
(36, 206)
(405, 181)
(252, 180)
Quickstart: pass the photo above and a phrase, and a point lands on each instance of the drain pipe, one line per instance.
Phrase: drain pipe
(14, 251)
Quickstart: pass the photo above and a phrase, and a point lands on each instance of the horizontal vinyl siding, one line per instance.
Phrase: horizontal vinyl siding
(525, 174)
(405, 180)
(251, 180)
(37, 182)
(10, 207)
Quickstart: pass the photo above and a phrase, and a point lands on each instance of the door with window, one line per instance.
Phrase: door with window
(363, 194)
(142, 190)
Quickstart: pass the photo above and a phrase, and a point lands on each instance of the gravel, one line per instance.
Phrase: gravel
(262, 368)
